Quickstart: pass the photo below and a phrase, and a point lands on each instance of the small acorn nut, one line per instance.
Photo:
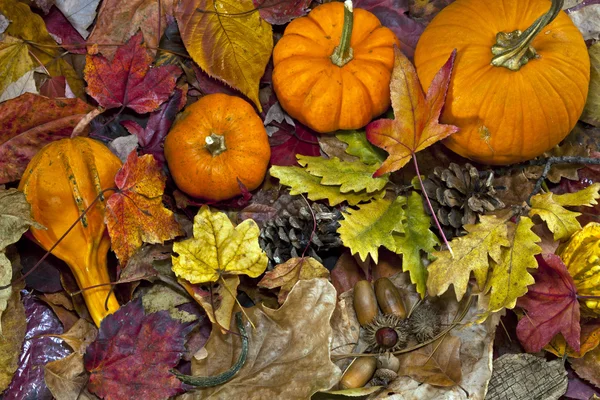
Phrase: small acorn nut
(383, 377)
(389, 298)
(425, 322)
(365, 302)
(388, 361)
(358, 373)
(386, 333)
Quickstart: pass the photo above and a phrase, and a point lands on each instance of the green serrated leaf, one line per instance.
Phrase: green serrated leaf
(300, 181)
(364, 230)
(360, 147)
(471, 254)
(510, 278)
(562, 222)
(416, 238)
(350, 176)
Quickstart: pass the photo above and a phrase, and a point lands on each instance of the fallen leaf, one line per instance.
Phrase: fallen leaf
(128, 80)
(161, 296)
(589, 340)
(30, 122)
(133, 354)
(240, 45)
(562, 222)
(513, 189)
(118, 21)
(260, 213)
(290, 345)
(285, 145)
(426, 10)
(592, 105)
(416, 124)
(300, 181)
(364, 230)
(360, 147)
(218, 248)
(143, 263)
(11, 340)
(286, 275)
(62, 30)
(580, 389)
(123, 145)
(80, 336)
(559, 171)
(510, 276)
(437, 363)
(346, 273)
(471, 254)
(15, 60)
(219, 302)
(586, 20)
(135, 213)
(416, 240)
(279, 12)
(80, 13)
(588, 367)
(331, 146)
(551, 305)
(66, 377)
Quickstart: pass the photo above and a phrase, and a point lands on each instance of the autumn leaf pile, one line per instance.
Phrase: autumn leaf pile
(201, 314)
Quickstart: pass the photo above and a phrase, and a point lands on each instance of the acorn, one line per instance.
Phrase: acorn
(387, 333)
(358, 373)
(425, 322)
(389, 298)
(365, 302)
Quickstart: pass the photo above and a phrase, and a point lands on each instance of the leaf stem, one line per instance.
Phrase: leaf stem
(236, 300)
(437, 222)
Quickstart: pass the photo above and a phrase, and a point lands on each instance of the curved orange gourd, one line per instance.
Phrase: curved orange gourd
(60, 182)
(322, 95)
(215, 141)
(506, 116)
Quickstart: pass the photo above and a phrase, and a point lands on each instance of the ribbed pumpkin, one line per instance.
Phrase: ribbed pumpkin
(332, 68)
(512, 99)
(213, 143)
(60, 182)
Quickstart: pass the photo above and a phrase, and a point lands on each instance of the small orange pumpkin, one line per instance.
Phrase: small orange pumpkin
(213, 143)
(60, 183)
(513, 95)
(332, 68)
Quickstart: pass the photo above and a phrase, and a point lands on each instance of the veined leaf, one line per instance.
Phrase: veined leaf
(360, 147)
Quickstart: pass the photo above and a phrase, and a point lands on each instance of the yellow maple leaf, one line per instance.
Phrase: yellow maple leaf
(218, 248)
(471, 253)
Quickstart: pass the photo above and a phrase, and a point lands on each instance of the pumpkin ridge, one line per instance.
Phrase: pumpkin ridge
(551, 84)
(366, 92)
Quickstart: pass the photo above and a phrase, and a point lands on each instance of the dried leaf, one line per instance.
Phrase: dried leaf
(360, 147)
(290, 345)
(15, 60)
(80, 13)
(66, 377)
(416, 124)
(300, 181)
(437, 363)
(562, 222)
(589, 340)
(219, 248)
(285, 145)
(346, 273)
(135, 213)
(510, 277)
(559, 171)
(591, 115)
(64, 33)
(79, 337)
(11, 340)
(279, 12)
(30, 122)
(240, 45)
(219, 302)
(364, 230)
(588, 367)
(286, 275)
(471, 254)
(416, 239)
(133, 354)
(144, 262)
(551, 305)
(168, 297)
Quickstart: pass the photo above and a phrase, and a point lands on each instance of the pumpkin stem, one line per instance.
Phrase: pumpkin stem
(513, 49)
(215, 144)
(343, 53)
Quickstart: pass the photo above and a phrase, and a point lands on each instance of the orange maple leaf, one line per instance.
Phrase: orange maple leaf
(416, 124)
(135, 213)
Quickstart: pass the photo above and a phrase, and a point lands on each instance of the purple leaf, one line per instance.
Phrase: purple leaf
(279, 12)
(58, 25)
(285, 144)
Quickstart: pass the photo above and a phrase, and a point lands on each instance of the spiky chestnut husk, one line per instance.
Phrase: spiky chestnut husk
(379, 333)
(383, 377)
(424, 322)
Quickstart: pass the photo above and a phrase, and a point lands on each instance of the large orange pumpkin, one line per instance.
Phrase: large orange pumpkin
(512, 99)
(213, 143)
(60, 183)
(328, 85)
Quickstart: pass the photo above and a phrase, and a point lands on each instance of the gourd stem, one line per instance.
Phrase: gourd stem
(343, 53)
(513, 49)
(215, 144)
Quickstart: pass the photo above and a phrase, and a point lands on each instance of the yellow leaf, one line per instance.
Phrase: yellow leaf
(14, 61)
(228, 40)
(471, 253)
(510, 277)
(364, 230)
(218, 248)
(293, 270)
(585, 197)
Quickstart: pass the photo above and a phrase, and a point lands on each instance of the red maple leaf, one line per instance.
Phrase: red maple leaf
(133, 353)
(127, 80)
(551, 305)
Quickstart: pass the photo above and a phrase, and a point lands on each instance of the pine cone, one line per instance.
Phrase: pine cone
(289, 233)
(459, 195)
